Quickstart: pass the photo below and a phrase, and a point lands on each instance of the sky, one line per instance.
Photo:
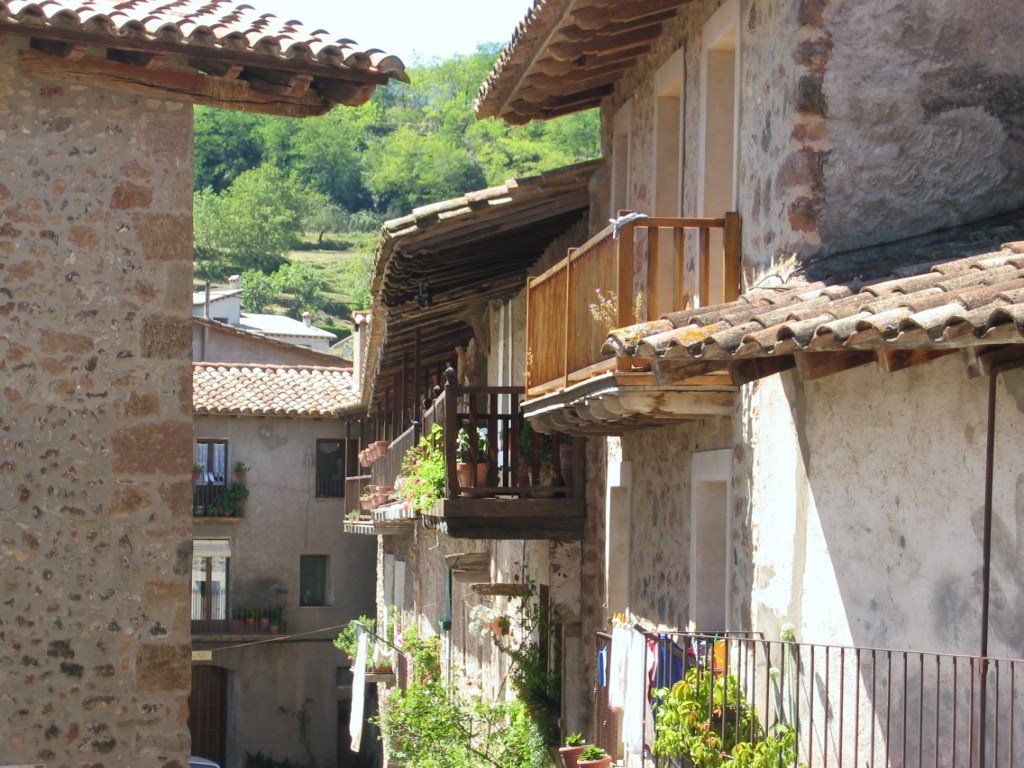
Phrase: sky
(414, 30)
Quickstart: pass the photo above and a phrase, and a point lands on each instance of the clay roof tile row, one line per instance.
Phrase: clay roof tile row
(237, 389)
(956, 302)
(196, 24)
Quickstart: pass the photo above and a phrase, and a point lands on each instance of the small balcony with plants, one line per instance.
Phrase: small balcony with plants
(479, 470)
(237, 612)
(219, 497)
(634, 271)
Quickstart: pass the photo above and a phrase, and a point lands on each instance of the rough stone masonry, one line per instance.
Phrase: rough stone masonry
(95, 428)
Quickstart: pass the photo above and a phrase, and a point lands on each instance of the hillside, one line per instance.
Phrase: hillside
(275, 192)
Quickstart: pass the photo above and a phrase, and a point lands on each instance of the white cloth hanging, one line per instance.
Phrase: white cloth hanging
(355, 723)
(635, 708)
(617, 667)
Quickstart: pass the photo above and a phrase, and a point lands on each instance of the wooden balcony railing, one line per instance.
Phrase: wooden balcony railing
(490, 417)
(563, 338)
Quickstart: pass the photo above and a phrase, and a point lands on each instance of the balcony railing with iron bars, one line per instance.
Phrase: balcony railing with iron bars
(843, 705)
(215, 500)
(564, 338)
(219, 612)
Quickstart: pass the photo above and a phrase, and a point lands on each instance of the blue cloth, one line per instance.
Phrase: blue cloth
(602, 667)
(671, 663)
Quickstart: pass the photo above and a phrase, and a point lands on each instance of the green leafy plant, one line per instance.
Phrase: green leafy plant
(302, 723)
(240, 468)
(526, 452)
(347, 640)
(423, 469)
(593, 752)
(574, 740)
(705, 718)
(437, 724)
(464, 446)
(227, 503)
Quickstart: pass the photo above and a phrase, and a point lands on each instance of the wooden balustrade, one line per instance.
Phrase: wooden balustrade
(564, 340)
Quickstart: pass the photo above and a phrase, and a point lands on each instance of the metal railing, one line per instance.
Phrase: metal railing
(849, 706)
(330, 487)
(206, 498)
(226, 612)
(564, 339)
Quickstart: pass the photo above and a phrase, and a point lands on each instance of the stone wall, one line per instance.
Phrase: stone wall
(96, 429)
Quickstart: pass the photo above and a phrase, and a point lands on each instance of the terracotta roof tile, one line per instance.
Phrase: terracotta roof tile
(197, 24)
(974, 300)
(237, 389)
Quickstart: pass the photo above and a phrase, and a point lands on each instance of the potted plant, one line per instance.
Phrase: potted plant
(366, 501)
(525, 454)
(240, 470)
(466, 455)
(570, 753)
(594, 757)
(197, 472)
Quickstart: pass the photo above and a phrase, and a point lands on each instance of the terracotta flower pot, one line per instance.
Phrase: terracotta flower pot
(604, 762)
(465, 474)
(571, 755)
(482, 469)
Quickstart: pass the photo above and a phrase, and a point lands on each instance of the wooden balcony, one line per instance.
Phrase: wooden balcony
(508, 482)
(572, 385)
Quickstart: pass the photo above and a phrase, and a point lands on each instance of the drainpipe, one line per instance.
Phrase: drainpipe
(986, 562)
(206, 316)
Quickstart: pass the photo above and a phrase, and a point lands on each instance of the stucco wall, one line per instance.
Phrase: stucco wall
(869, 530)
(283, 520)
(95, 433)
(222, 346)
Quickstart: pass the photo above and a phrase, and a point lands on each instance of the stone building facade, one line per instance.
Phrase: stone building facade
(850, 506)
(96, 249)
(95, 266)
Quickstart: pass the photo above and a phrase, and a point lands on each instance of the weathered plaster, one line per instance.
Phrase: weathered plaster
(283, 520)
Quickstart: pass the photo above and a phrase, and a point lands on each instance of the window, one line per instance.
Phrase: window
(210, 579)
(211, 456)
(335, 460)
(313, 571)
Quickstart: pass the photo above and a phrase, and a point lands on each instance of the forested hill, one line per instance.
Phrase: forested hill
(265, 185)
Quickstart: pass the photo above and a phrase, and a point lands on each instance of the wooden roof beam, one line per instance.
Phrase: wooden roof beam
(171, 85)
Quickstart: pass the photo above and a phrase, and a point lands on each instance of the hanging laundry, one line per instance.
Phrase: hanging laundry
(617, 666)
(355, 723)
(602, 666)
(641, 661)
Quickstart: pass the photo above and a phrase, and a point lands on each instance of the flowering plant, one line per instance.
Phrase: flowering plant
(604, 309)
(485, 620)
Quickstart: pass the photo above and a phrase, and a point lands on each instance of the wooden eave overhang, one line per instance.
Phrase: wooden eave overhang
(213, 53)
(615, 402)
(471, 250)
(567, 55)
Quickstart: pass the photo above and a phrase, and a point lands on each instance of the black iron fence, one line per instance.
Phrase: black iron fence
(833, 705)
(223, 612)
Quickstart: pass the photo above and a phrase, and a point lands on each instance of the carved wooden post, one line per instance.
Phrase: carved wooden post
(451, 428)
(624, 283)
(733, 256)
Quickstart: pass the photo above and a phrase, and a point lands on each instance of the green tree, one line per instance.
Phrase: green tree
(259, 290)
(407, 169)
(302, 287)
(253, 223)
(226, 146)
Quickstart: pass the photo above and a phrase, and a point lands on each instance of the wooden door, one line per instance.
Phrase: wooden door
(208, 712)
